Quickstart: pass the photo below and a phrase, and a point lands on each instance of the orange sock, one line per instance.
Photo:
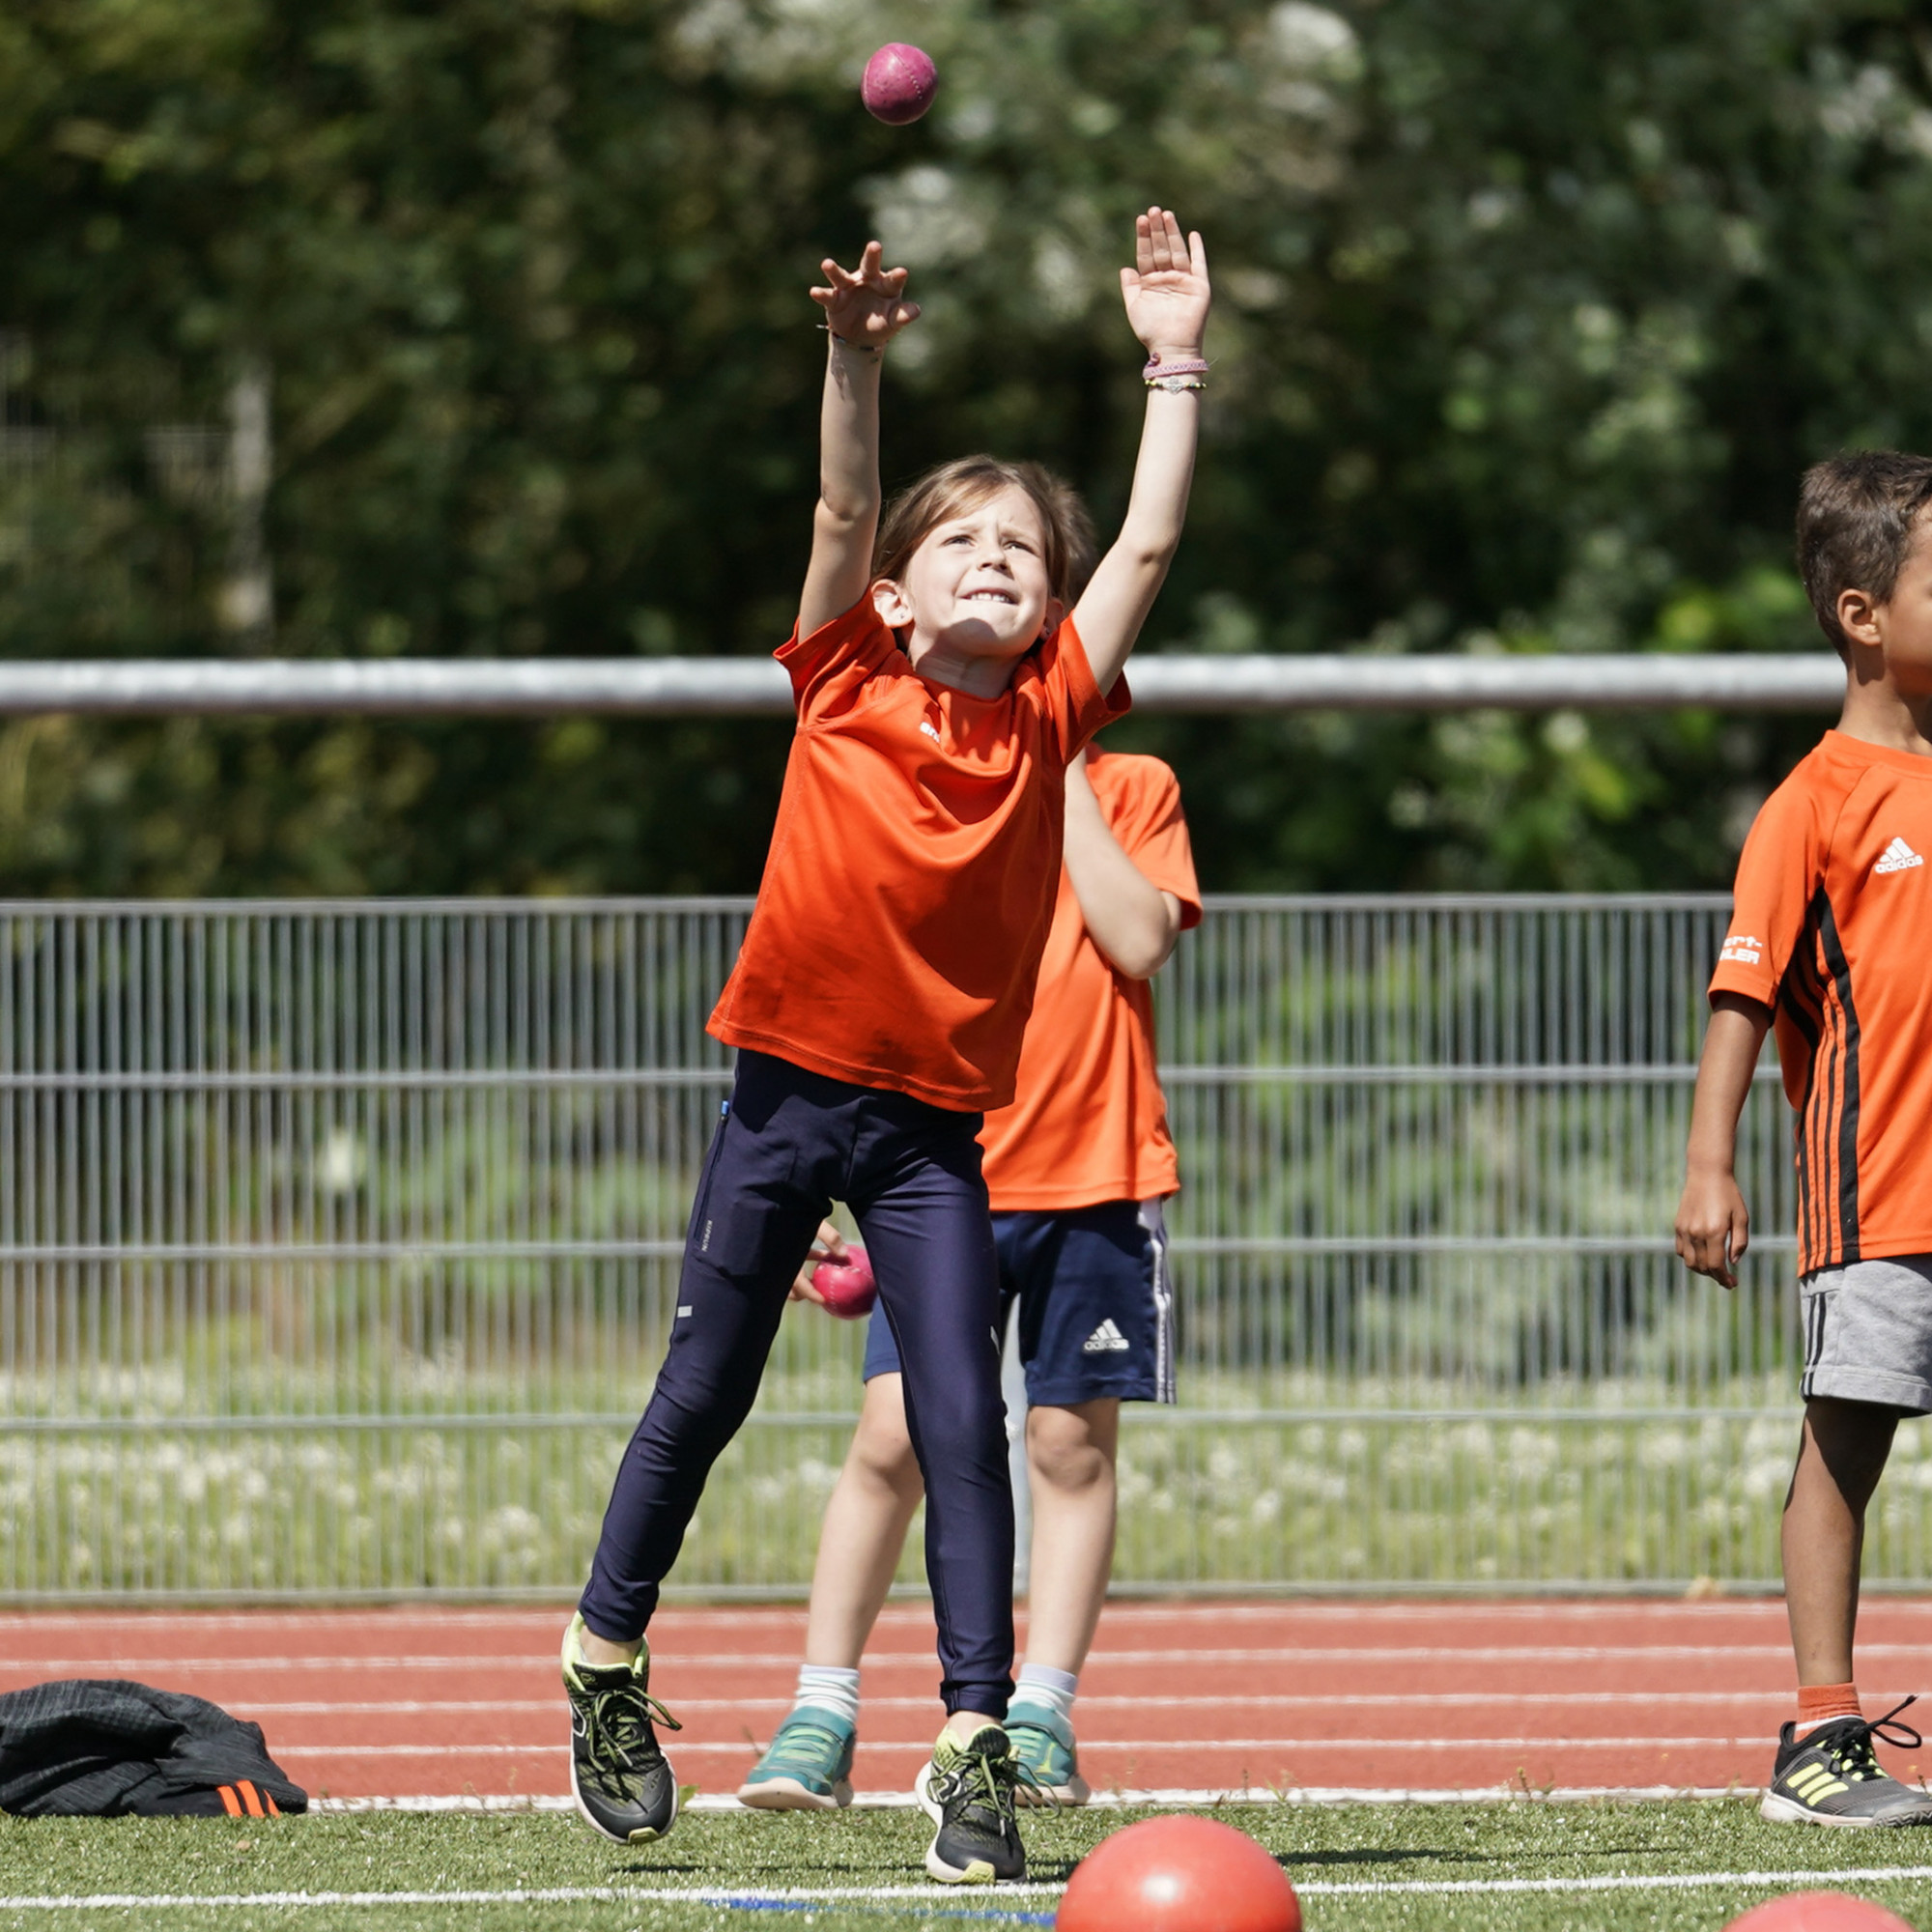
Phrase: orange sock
(1819, 1703)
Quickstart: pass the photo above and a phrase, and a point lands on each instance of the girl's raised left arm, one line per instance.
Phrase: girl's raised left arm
(1167, 295)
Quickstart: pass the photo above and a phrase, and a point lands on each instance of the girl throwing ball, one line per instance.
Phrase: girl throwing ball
(878, 1005)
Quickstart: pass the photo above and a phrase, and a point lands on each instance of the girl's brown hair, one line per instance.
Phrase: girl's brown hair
(965, 483)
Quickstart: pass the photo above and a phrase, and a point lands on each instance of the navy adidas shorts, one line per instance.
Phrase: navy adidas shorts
(1097, 1316)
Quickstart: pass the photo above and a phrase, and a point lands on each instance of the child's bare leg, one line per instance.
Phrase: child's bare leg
(1070, 1457)
(865, 1522)
(1840, 1456)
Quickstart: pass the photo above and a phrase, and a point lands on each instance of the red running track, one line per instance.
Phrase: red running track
(1368, 1697)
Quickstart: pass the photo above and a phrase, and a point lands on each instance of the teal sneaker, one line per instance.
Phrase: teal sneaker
(1044, 1745)
(807, 1766)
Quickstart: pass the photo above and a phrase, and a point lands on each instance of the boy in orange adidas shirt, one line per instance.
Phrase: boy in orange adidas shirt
(1829, 943)
(1077, 1167)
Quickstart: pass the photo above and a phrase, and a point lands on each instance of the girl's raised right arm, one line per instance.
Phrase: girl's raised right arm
(862, 313)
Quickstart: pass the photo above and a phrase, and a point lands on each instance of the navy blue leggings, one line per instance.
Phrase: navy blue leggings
(790, 1144)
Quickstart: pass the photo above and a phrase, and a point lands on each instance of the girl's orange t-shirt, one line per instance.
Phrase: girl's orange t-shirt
(1089, 1122)
(912, 871)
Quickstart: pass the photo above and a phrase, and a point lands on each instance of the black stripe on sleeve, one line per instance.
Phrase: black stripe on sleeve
(1841, 970)
(1801, 997)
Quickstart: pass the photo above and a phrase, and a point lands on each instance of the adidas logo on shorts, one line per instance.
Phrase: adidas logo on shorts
(1105, 1340)
(1899, 857)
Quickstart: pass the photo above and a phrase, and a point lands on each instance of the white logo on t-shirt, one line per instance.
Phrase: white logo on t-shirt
(1742, 950)
(1899, 857)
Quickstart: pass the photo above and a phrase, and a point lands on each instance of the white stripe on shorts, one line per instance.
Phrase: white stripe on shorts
(1162, 1288)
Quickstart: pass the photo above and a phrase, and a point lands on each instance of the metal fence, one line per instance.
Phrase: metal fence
(337, 1243)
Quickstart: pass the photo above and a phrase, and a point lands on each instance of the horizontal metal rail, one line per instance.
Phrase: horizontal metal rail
(361, 1080)
(1135, 1416)
(758, 687)
(19, 1254)
(1265, 1245)
(384, 1079)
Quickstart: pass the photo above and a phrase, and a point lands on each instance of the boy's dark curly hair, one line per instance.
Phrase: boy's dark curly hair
(1856, 518)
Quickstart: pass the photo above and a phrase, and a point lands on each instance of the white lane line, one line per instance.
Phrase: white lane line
(780, 1703)
(1167, 1797)
(1444, 1887)
(562, 1894)
(288, 1748)
(1167, 1659)
(600, 1894)
(1668, 1610)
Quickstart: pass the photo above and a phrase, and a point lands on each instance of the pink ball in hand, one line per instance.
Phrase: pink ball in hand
(846, 1287)
(899, 84)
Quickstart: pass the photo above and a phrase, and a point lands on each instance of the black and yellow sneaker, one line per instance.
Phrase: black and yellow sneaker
(622, 1781)
(1832, 1776)
(968, 1792)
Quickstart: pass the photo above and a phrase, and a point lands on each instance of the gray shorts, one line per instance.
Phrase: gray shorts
(1868, 1332)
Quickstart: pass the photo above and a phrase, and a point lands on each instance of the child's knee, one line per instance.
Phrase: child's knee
(1852, 1439)
(1068, 1448)
(882, 1444)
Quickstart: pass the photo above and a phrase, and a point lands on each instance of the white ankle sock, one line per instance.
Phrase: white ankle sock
(825, 1687)
(1054, 1688)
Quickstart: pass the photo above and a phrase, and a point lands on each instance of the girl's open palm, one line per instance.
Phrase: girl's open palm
(1166, 290)
(867, 308)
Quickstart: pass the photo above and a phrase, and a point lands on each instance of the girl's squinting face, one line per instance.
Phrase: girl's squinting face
(978, 584)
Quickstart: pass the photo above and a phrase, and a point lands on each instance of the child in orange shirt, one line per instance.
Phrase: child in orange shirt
(1833, 907)
(1077, 1169)
(878, 1005)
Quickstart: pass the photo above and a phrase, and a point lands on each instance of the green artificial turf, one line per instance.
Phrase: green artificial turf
(1341, 1846)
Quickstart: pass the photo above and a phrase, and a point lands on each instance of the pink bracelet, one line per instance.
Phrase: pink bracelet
(1193, 365)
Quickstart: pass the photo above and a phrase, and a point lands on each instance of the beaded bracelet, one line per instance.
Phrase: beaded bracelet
(1174, 384)
(1191, 365)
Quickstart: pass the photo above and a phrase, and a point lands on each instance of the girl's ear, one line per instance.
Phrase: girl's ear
(1056, 615)
(891, 603)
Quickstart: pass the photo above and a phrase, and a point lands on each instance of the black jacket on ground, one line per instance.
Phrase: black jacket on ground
(102, 1747)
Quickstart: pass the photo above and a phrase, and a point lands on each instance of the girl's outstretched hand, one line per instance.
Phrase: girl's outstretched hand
(866, 309)
(1166, 290)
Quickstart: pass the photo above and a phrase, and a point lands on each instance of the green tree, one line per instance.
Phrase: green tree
(1529, 317)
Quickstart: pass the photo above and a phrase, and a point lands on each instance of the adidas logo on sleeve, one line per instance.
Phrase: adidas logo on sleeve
(1898, 857)
(1105, 1340)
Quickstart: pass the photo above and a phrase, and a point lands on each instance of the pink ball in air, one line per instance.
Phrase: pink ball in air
(899, 84)
(846, 1288)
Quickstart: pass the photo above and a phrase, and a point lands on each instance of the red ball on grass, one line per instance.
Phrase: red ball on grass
(1818, 1912)
(899, 84)
(1178, 1874)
